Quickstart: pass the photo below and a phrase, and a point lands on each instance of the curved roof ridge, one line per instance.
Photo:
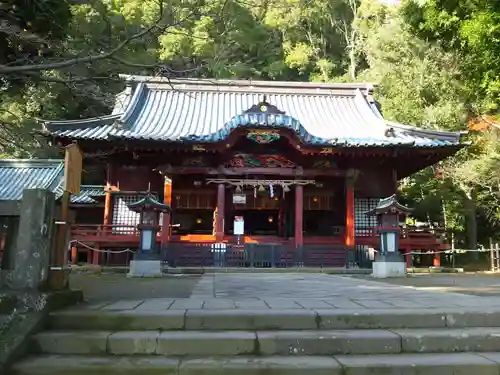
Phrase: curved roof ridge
(167, 83)
(455, 136)
(367, 110)
(80, 122)
(132, 104)
(6, 163)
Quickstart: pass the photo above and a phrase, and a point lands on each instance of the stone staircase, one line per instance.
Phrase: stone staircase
(267, 342)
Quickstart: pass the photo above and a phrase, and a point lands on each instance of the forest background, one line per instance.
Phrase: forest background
(436, 64)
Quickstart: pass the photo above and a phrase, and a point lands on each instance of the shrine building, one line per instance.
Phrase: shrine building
(283, 166)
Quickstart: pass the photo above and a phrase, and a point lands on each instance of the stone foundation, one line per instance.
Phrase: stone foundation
(145, 268)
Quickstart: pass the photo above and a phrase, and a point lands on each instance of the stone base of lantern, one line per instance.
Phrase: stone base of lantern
(389, 265)
(145, 268)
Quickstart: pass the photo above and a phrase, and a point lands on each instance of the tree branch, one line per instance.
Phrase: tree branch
(4, 69)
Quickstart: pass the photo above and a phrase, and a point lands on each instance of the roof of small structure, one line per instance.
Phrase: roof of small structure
(19, 174)
(389, 205)
(336, 114)
(149, 203)
(87, 194)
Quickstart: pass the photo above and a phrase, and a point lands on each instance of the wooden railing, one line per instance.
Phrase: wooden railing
(119, 234)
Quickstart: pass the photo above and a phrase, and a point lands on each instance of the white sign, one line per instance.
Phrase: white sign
(239, 226)
(239, 198)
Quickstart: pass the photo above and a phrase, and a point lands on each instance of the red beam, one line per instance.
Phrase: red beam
(292, 172)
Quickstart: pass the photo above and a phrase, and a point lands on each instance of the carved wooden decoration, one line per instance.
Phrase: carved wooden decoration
(264, 107)
(327, 150)
(259, 161)
(263, 136)
(324, 163)
(194, 162)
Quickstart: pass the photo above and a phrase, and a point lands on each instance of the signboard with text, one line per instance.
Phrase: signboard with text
(239, 226)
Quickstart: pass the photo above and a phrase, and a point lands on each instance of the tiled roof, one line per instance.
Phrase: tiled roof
(86, 196)
(88, 193)
(18, 174)
(208, 110)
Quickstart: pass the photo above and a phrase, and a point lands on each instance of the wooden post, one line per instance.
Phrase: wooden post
(492, 257)
(167, 199)
(221, 200)
(57, 279)
(497, 257)
(299, 213)
(96, 255)
(409, 260)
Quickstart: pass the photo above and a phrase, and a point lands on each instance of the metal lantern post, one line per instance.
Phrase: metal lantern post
(389, 262)
(147, 260)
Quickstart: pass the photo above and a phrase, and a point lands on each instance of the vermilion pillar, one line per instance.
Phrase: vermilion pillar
(167, 199)
(437, 260)
(349, 217)
(107, 206)
(299, 212)
(219, 224)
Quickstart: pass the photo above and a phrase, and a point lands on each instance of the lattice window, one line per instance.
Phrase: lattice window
(122, 215)
(363, 222)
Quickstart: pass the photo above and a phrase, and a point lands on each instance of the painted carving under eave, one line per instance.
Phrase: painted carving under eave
(259, 161)
(324, 163)
(263, 136)
(194, 162)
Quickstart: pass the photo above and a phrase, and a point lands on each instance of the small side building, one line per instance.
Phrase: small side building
(19, 174)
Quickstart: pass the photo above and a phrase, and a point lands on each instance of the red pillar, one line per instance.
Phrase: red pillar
(299, 212)
(74, 255)
(437, 260)
(349, 218)
(221, 200)
(167, 199)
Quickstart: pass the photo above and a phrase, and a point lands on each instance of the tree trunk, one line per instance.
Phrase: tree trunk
(352, 64)
(471, 220)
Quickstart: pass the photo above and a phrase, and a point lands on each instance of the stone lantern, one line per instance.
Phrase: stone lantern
(389, 262)
(147, 260)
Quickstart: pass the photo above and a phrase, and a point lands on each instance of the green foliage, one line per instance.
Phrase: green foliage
(437, 63)
(471, 30)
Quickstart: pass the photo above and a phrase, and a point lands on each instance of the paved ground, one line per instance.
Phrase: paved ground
(482, 284)
(273, 291)
(113, 287)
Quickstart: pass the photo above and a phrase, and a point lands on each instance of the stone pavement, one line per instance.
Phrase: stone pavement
(275, 324)
(302, 291)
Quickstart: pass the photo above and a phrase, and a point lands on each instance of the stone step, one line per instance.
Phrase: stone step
(239, 319)
(396, 364)
(265, 343)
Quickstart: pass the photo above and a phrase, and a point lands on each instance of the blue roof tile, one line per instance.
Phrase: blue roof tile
(343, 115)
(18, 174)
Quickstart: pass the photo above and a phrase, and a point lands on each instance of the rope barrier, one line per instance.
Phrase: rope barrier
(455, 251)
(101, 250)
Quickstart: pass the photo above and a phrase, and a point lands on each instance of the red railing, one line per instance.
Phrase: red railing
(119, 234)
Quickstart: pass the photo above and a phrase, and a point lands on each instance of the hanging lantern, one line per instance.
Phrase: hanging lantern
(262, 189)
(286, 189)
(238, 189)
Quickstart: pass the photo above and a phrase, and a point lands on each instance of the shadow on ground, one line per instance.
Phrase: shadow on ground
(113, 287)
(479, 285)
